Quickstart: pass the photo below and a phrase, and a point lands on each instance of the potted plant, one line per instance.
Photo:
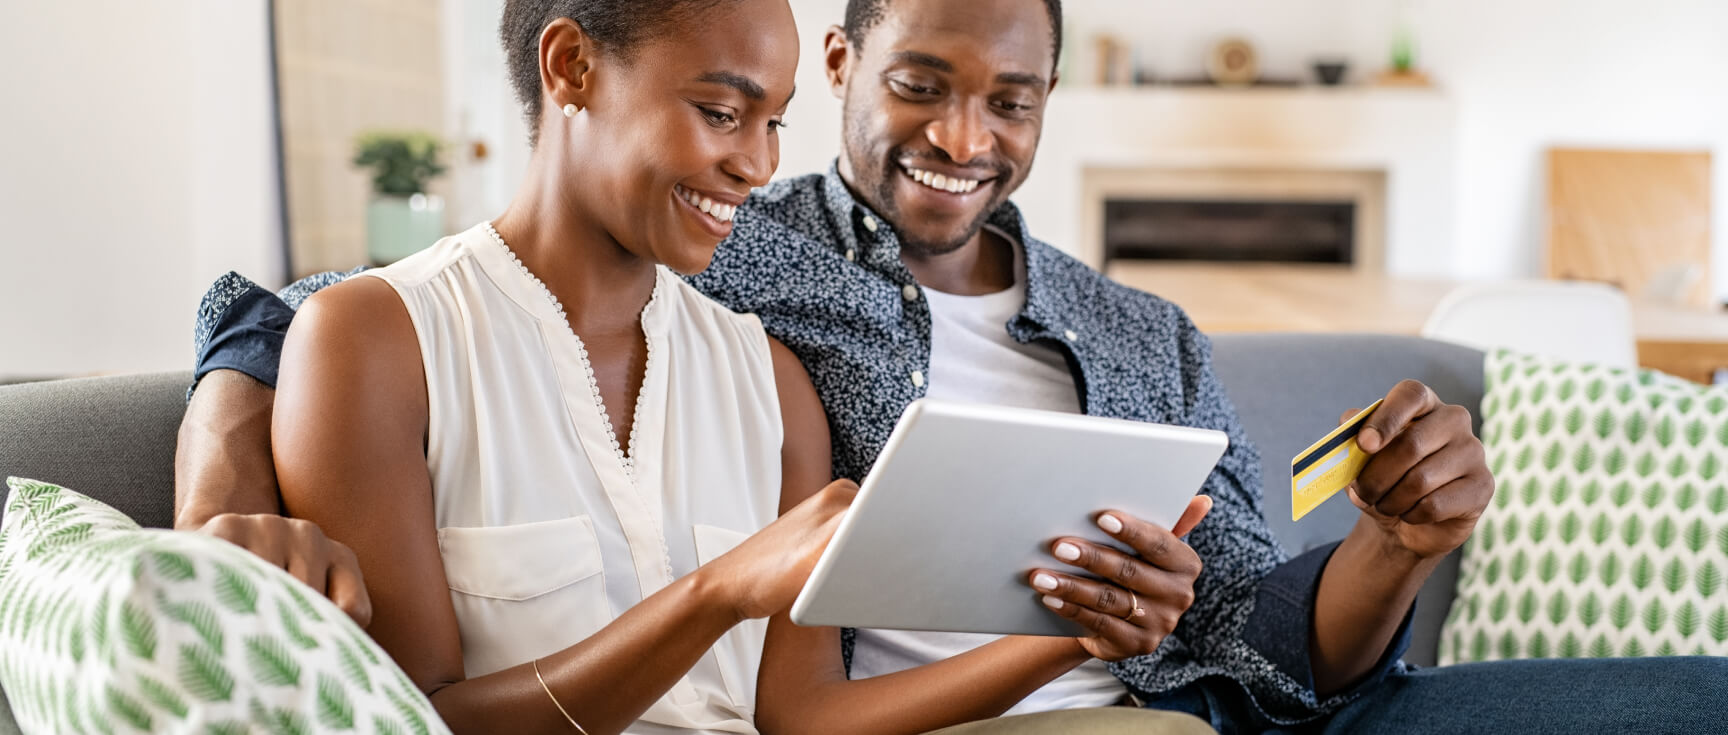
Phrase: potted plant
(402, 218)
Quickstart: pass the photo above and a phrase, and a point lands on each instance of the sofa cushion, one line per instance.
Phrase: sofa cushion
(1608, 533)
(109, 627)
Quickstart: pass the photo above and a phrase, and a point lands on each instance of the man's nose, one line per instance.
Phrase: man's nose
(962, 135)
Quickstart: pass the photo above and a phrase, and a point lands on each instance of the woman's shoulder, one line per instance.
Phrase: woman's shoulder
(679, 306)
(427, 264)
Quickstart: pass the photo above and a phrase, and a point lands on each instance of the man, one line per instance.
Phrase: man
(905, 272)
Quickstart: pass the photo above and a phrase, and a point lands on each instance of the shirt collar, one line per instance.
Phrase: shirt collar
(865, 236)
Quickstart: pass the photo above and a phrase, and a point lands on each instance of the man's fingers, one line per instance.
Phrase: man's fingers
(1406, 402)
(348, 589)
(1348, 414)
(1431, 473)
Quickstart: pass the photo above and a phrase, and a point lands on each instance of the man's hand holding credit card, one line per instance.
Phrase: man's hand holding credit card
(1328, 465)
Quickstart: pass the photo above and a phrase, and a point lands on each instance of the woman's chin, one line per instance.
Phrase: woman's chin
(691, 259)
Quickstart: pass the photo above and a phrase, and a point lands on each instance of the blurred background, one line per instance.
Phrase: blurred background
(1271, 165)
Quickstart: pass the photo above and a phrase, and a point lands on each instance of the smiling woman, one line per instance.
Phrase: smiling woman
(498, 425)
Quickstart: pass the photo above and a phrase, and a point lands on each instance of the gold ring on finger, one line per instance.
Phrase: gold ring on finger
(1134, 608)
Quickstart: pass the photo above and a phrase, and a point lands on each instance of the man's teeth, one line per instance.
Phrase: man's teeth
(718, 210)
(950, 184)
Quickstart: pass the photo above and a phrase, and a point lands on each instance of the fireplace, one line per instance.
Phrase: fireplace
(1274, 231)
(1330, 217)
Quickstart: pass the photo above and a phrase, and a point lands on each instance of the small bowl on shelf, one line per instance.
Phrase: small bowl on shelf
(1331, 72)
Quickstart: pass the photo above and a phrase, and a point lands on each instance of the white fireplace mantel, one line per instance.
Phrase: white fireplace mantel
(1408, 134)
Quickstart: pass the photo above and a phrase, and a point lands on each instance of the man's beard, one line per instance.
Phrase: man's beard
(887, 171)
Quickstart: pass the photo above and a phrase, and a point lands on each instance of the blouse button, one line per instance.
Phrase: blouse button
(910, 292)
(870, 223)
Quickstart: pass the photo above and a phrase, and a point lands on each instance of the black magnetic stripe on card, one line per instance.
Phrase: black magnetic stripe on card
(1320, 452)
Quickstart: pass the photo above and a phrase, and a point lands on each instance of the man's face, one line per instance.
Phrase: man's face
(943, 105)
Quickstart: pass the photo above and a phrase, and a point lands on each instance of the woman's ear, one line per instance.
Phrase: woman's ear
(566, 66)
(837, 59)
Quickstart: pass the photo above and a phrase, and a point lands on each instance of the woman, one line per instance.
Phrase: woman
(541, 444)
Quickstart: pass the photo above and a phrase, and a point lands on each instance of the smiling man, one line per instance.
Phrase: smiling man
(904, 272)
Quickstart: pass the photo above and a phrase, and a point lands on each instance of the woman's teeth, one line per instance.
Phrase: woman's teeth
(950, 184)
(719, 211)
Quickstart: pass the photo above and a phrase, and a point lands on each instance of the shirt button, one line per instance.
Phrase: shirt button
(870, 223)
(851, 255)
(910, 292)
(1071, 335)
(917, 378)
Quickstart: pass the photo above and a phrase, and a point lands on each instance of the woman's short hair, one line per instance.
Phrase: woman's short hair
(618, 27)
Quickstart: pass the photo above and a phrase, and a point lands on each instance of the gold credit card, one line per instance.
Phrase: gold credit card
(1327, 466)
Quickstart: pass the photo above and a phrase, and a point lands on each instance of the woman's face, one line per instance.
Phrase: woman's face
(689, 122)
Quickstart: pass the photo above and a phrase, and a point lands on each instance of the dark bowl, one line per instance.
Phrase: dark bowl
(1331, 73)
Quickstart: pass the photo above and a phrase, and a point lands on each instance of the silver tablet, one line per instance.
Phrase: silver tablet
(965, 499)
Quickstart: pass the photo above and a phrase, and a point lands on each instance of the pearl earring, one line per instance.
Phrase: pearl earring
(570, 110)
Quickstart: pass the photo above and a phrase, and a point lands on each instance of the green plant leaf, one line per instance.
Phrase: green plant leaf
(229, 727)
(235, 591)
(1686, 497)
(1596, 389)
(291, 625)
(1520, 566)
(1561, 489)
(1605, 424)
(1578, 569)
(1509, 530)
(1674, 575)
(417, 724)
(1622, 494)
(1695, 432)
(1548, 567)
(1634, 427)
(1645, 466)
(1664, 533)
(1570, 527)
(271, 662)
(335, 709)
(1509, 645)
(1528, 606)
(351, 666)
(1719, 625)
(1544, 421)
(1600, 648)
(1697, 535)
(1677, 467)
(1492, 572)
(1654, 616)
(138, 631)
(202, 675)
(1709, 466)
(1620, 612)
(1686, 619)
(1631, 530)
(1718, 502)
(1499, 607)
(1539, 528)
(1571, 647)
(173, 566)
(305, 606)
(1538, 646)
(1615, 461)
(1642, 572)
(128, 709)
(1575, 421)
(1708, 579)
(1633, 649)
(201, 617)
(1520, 427)
(278, 721)
(1558, 606)
(1592, 492)
(1554, 455)
(163, 696)
(382, 726)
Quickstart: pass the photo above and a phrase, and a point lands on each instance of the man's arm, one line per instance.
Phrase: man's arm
(224, 476)
(1420, 496)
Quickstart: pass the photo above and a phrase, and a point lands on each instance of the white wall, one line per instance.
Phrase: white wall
(1523, 75)
(137, 168)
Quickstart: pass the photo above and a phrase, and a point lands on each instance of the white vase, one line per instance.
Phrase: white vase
(397, 226)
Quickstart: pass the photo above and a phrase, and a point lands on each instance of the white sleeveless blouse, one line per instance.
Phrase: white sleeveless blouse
(548, 531)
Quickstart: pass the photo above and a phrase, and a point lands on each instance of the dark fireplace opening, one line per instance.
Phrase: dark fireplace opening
(1230, 231)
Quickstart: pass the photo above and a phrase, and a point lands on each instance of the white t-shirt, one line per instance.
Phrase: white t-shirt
(972, 359)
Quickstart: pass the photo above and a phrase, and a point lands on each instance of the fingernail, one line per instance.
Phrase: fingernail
(1110, 523)
(1067, 551)
(1043, 581)
(1055, 603)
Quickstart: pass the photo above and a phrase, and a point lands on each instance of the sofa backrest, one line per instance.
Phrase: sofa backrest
(114, 438)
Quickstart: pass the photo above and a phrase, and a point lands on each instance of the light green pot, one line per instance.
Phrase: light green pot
(397, 227)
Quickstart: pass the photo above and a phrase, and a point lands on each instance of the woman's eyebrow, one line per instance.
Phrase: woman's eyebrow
(742, 83)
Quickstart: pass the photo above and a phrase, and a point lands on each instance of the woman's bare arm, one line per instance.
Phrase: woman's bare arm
(350, 427)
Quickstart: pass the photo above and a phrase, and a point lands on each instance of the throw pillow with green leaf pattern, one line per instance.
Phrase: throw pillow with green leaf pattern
(1608, 533)
(109, 628)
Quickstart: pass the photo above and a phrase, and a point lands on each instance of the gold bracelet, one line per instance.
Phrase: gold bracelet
(555, 699)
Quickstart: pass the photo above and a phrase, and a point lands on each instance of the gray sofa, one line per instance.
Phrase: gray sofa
(113, 438)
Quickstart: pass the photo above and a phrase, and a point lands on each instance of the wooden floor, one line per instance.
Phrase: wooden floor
(1685, 341)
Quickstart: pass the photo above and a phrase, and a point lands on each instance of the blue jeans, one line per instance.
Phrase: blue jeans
(1538, 697)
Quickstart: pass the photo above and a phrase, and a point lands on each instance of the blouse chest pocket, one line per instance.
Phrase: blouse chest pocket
(524, 591)
(739, 652)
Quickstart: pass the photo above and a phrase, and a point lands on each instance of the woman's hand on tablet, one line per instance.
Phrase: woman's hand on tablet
(764, 574)
(1136, 600)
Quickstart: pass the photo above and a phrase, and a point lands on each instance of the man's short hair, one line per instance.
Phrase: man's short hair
(862, 15)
